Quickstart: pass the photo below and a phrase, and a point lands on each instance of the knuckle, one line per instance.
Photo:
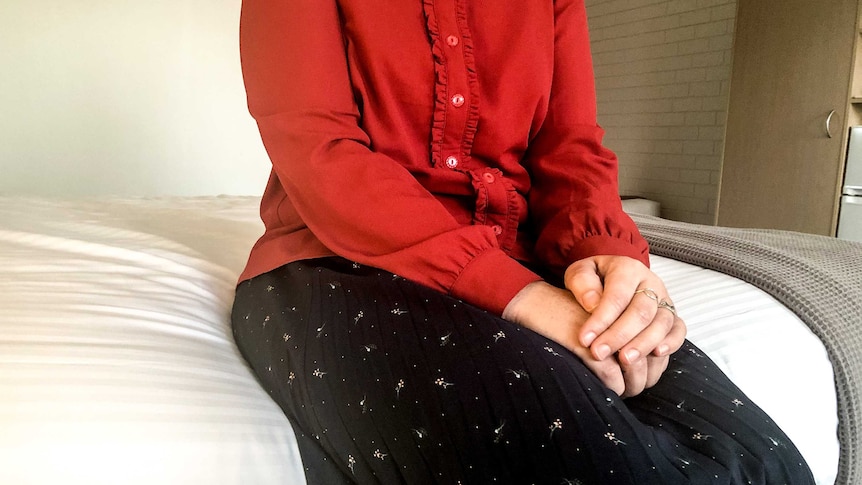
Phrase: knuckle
(666, 316)
(599, 323)
(578, 268)
(678, 332)
(666, 322)
(634, 387)
(620, 262)
(578, 278)
(634, 370)
(644, 314)
(618, 301)
(605, 376)
(620, 337)
(610, 376)
(656, 368)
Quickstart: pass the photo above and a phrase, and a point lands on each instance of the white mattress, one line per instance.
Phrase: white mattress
(117, 364)
(766, 351)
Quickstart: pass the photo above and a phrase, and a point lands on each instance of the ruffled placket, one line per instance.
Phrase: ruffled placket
(496, 205)
(456, 118)
(456, 88)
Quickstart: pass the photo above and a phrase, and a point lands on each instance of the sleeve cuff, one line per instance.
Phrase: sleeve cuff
(608, 245)
(491, 280)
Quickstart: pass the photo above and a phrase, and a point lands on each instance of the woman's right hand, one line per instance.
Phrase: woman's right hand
(556, 314)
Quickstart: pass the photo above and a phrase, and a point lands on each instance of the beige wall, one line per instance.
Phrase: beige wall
(662, 80)
(116, 97)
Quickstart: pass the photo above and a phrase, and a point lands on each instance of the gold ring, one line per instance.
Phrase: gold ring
(667, 306)
(649, 293)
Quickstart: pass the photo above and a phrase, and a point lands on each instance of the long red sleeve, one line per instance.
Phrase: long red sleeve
(397, 134)
(574, 198)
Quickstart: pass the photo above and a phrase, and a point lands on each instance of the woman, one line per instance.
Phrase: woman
(447, 290)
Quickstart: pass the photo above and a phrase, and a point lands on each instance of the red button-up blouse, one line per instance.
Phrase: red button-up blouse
(441, 140)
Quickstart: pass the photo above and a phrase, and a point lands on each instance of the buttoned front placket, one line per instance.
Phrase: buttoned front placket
(456, 106)
(496, 205)
(456, 116)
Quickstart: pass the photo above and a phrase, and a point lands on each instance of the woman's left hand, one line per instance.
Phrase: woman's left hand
(631, 312)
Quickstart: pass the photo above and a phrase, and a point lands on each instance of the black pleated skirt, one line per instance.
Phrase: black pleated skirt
(387, 381)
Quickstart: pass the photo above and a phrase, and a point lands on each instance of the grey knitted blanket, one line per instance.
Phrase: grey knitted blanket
(818, 278)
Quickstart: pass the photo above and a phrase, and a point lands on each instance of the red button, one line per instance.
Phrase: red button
(458, 100)
(497, 230)
(489, 177)
(452, 162)
(452, 41)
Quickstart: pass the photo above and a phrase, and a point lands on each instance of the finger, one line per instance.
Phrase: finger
(648, 340)
(637, 317)
(621, 282)
(655, 368)
(583, 280)
(674, 339)
(635, 377)
(608, 371)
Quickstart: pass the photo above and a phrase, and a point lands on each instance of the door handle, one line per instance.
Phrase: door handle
(829, 122)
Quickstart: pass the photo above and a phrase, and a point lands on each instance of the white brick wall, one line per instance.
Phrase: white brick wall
(662, 81)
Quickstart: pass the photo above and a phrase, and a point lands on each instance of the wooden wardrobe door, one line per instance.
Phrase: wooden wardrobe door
(791, 67)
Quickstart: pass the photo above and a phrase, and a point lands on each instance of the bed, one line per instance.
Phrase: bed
(117, 363)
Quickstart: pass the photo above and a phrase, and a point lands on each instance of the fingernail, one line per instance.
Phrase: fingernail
(591, 300)
(588, 338)
(602, 352)
(662, 349)
(632, 355)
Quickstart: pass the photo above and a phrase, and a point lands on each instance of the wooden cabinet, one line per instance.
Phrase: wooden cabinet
(795, 66)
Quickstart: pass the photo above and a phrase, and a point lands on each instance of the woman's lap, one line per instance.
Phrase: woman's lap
(398, 383)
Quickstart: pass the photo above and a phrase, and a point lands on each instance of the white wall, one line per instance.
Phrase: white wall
(124, 97)
(662, 81)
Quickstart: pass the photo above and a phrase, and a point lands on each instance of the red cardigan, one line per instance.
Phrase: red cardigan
(413, 136)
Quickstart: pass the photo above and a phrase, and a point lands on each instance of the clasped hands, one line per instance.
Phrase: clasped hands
(620, 333)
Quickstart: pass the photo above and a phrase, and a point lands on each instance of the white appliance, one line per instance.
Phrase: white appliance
(850, 214)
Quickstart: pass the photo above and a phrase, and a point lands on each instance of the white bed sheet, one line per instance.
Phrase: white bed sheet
(117, 364)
